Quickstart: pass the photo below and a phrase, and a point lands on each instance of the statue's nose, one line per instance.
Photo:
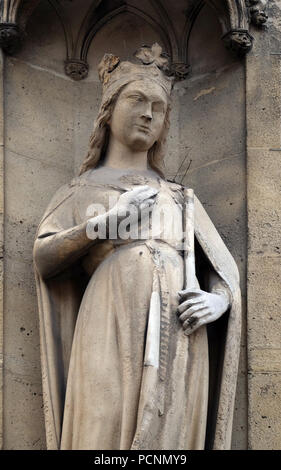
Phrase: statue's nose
(147, 112)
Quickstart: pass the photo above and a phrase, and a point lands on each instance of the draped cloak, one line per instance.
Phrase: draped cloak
(61, 297)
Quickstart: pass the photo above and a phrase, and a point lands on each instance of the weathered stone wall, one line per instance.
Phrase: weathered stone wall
(38, 159)
(263, 79)
(1, 239)
(48, 119)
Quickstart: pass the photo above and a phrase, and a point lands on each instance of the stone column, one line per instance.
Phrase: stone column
(264, 267)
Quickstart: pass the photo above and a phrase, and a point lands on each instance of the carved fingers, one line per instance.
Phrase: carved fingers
(197, 308)
(141, 197)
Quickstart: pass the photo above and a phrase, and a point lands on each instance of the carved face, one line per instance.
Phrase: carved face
(259, 17)
(138, 116)
(242, 40)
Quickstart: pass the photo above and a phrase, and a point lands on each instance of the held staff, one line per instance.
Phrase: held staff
(190, 280)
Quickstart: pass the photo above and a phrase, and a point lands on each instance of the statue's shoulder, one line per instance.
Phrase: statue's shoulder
(68, 189)
(62, 194)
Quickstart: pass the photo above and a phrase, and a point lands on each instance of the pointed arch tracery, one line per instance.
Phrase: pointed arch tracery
(234, 16)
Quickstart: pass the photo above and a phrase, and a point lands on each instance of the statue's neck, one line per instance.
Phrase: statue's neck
(120, 156)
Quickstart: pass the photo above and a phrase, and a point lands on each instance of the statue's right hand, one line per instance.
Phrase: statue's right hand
(141, 197)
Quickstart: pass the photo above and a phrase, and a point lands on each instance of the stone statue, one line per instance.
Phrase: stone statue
(132, 357)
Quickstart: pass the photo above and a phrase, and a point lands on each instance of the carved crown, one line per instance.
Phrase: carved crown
(155, 65)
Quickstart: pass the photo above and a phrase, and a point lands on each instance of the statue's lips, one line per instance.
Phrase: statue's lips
(143, 128)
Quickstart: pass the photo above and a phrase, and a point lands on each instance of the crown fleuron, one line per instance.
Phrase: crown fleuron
(155, 65)
(154, 55)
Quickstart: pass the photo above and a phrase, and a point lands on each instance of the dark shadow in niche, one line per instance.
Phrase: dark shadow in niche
(206, 50)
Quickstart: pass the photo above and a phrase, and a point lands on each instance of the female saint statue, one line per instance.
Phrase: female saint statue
(132, 358)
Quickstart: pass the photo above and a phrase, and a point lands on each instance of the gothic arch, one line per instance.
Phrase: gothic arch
(95, 27)
(234, 17)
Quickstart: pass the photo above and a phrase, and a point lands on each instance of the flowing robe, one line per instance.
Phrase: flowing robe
(100, 392)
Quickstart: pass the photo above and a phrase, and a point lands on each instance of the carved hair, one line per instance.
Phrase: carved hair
(100, 137)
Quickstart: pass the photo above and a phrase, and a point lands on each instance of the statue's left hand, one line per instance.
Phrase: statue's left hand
(198, 308)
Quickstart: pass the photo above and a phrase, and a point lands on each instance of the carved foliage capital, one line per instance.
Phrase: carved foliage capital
(180, 70)
(10, 37)
(13, 18)
(76, 69)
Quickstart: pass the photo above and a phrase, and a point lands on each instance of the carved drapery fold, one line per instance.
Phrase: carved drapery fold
(234, 16)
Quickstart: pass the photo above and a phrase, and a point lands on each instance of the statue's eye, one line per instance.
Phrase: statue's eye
(136, 97)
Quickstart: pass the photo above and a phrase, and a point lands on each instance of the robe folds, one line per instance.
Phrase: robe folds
(111, 378)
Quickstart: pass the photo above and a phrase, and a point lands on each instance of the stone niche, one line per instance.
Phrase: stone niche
(48, 121)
